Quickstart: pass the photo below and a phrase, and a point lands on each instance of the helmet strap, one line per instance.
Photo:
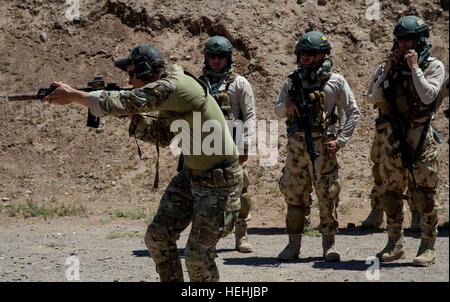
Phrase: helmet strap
(317, 71)
(217, 75)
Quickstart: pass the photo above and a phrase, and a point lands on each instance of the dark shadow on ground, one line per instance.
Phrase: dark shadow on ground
(349, 231)
(304, 260)
(225, 250)
(266, 231)
(253, 261)
(141, 253)
(145, 253)
(357, 265)
(443, 231)
(358, 231)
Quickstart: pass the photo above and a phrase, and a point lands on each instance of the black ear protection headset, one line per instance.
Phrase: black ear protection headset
(142, 64)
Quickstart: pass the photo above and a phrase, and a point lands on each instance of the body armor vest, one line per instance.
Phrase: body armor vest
(222, 97)
(318, 106)
(411, 109)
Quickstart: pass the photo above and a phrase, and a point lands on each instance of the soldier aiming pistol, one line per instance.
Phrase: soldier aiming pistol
(98, 83)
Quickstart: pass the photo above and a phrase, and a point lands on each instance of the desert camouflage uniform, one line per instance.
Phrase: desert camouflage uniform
(234, 95)
(376, 194)
(394, 176)
(443, 96)
(297, 179)
(206, 192)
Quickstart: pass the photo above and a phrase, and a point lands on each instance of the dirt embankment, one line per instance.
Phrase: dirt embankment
(52, 165)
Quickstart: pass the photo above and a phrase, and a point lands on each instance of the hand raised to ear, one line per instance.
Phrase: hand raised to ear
(412, 59)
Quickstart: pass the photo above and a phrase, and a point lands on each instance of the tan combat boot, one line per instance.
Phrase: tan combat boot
(243, 245)
(374, 220)
(330, 253)
(292, 250)
(426, 255)
(415, 221)
(393, 249)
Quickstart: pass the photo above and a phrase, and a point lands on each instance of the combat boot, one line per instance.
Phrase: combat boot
(426, 255)
(330, 253)
(292, 250)
(393, 249)
(243, 245)
(415, 221)
(374, 220)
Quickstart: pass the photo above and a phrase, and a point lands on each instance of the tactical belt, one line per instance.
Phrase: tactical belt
(211, 172)
(293, 128)
(313, 134)
(386, 119)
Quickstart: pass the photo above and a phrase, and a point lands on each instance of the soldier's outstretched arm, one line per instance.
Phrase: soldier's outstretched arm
(102, 103)
(64, 94)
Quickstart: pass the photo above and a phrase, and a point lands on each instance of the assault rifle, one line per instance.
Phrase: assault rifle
(306, 120)
(400, 132)
(98, 83)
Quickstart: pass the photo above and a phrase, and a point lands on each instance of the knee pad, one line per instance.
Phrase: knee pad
(295, 219)
(392, 202)
(156, 233)
(423, 199)
(246, 205)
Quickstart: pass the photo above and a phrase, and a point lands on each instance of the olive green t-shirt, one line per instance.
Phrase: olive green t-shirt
(196, 118)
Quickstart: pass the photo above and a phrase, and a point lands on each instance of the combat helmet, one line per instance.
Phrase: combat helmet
(219, 45)
(312, 40)
(414, 28)
(146, 60)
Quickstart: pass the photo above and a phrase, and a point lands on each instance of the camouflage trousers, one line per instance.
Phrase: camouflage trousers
(376, 194)
(397, 179)
(246, 202)
(297, 181)
(210, 200)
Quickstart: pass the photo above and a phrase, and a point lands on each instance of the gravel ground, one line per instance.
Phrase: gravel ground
(38, 251)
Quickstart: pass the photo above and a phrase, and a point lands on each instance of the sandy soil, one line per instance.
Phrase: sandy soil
(92, 183)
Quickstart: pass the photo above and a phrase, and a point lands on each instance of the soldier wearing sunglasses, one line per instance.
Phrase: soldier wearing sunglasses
(234, 95)
(405, 89)
(206, 191)
(325, 93)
